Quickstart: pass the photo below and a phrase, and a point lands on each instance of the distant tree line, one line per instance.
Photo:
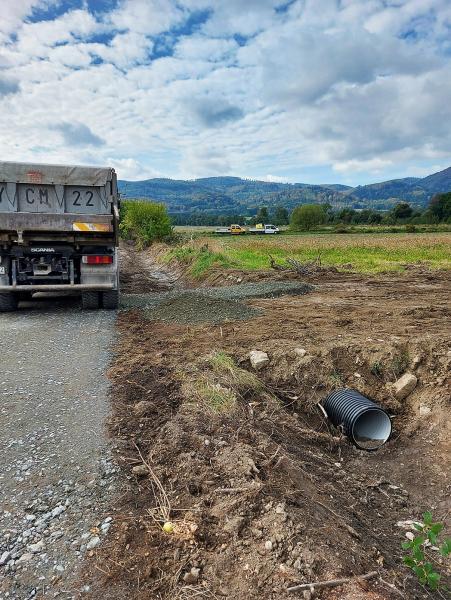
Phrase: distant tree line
(278, 216)
(308, 216)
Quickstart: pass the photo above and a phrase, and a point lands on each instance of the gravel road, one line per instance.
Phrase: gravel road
(55, 474)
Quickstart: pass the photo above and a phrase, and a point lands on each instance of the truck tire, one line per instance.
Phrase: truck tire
(8, 302)
(90, 300)
(110, 299)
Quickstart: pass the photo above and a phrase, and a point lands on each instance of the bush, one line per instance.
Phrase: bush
(307, 216)
(145, 222)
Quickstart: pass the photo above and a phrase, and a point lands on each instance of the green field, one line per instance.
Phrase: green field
(366, 253)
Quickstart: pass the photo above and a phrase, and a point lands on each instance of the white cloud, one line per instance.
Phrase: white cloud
(312, 86)
(147, 16)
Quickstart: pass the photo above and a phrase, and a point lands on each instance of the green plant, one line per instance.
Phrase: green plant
(400, 362)
(144, 221)
(307, 216)
(377, 368)
(417, 559)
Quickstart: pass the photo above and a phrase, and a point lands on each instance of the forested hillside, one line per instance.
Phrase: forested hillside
(234, 195)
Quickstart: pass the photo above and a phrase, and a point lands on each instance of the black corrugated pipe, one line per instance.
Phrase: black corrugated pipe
(366, 423)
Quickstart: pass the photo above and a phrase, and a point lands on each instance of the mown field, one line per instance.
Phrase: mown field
(372, 253)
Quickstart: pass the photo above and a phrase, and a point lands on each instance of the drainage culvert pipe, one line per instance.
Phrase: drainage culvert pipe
(363, 421)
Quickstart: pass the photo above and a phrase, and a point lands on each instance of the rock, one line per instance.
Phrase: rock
(25, 557)
(424, 410)
(416, 361)
(300, 352)
(235, 524)
(142, 408)
(192, 576)
(404, 386)
(57, 511)
(93, 543)
(280, 509)
(35, 548)
(268, 545)
(140, 470)
(258, 359)
(4, 558)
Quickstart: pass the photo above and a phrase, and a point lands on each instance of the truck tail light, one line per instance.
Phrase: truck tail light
(97, 259)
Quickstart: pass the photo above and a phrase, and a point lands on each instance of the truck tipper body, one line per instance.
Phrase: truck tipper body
(58, 232)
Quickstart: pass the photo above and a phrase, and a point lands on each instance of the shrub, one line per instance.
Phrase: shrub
(145, 222)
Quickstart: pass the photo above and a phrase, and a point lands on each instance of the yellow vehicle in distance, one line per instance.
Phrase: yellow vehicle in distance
(231, 230)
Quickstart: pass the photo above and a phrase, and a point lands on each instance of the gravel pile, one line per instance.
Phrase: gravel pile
(214, 305)
(188, 307)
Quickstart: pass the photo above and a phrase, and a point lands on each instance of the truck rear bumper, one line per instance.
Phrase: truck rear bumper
(80, 287)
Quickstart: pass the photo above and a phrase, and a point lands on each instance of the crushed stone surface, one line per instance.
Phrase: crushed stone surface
(214, 304)
(55, 473)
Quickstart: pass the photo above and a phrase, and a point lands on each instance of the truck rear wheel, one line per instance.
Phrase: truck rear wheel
(8, 302)
(110, 299)
(90, 300)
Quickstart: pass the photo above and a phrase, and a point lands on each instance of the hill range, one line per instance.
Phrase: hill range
(233, 195)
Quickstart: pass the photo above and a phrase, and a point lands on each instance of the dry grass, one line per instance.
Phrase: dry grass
(217, 383)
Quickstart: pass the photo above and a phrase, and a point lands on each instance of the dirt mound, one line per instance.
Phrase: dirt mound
(261, 491)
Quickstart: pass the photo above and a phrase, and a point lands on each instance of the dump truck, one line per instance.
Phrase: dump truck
(261, 228)
(231, 230)
(58, 233)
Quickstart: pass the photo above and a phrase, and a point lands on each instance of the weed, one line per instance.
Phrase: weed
(240, 380)
(400, 362)
(216, 397)
(417, 559)
(336, 378)
(377, 369)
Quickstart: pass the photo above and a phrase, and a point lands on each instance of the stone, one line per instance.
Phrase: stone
(258, 359)
(416, 361)
(268, 545)
(424, 410)
(57, 511)
(25, 557)
(192, 576)
(404, 386)
(234, 525)
(301, 352)
(35, 548)
(93, 543)
(142, 408)
(140, 470)
(4, 558)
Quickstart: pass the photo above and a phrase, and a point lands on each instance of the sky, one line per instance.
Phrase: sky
(315, 91)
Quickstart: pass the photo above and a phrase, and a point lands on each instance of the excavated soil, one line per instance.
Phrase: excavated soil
(262, 492)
